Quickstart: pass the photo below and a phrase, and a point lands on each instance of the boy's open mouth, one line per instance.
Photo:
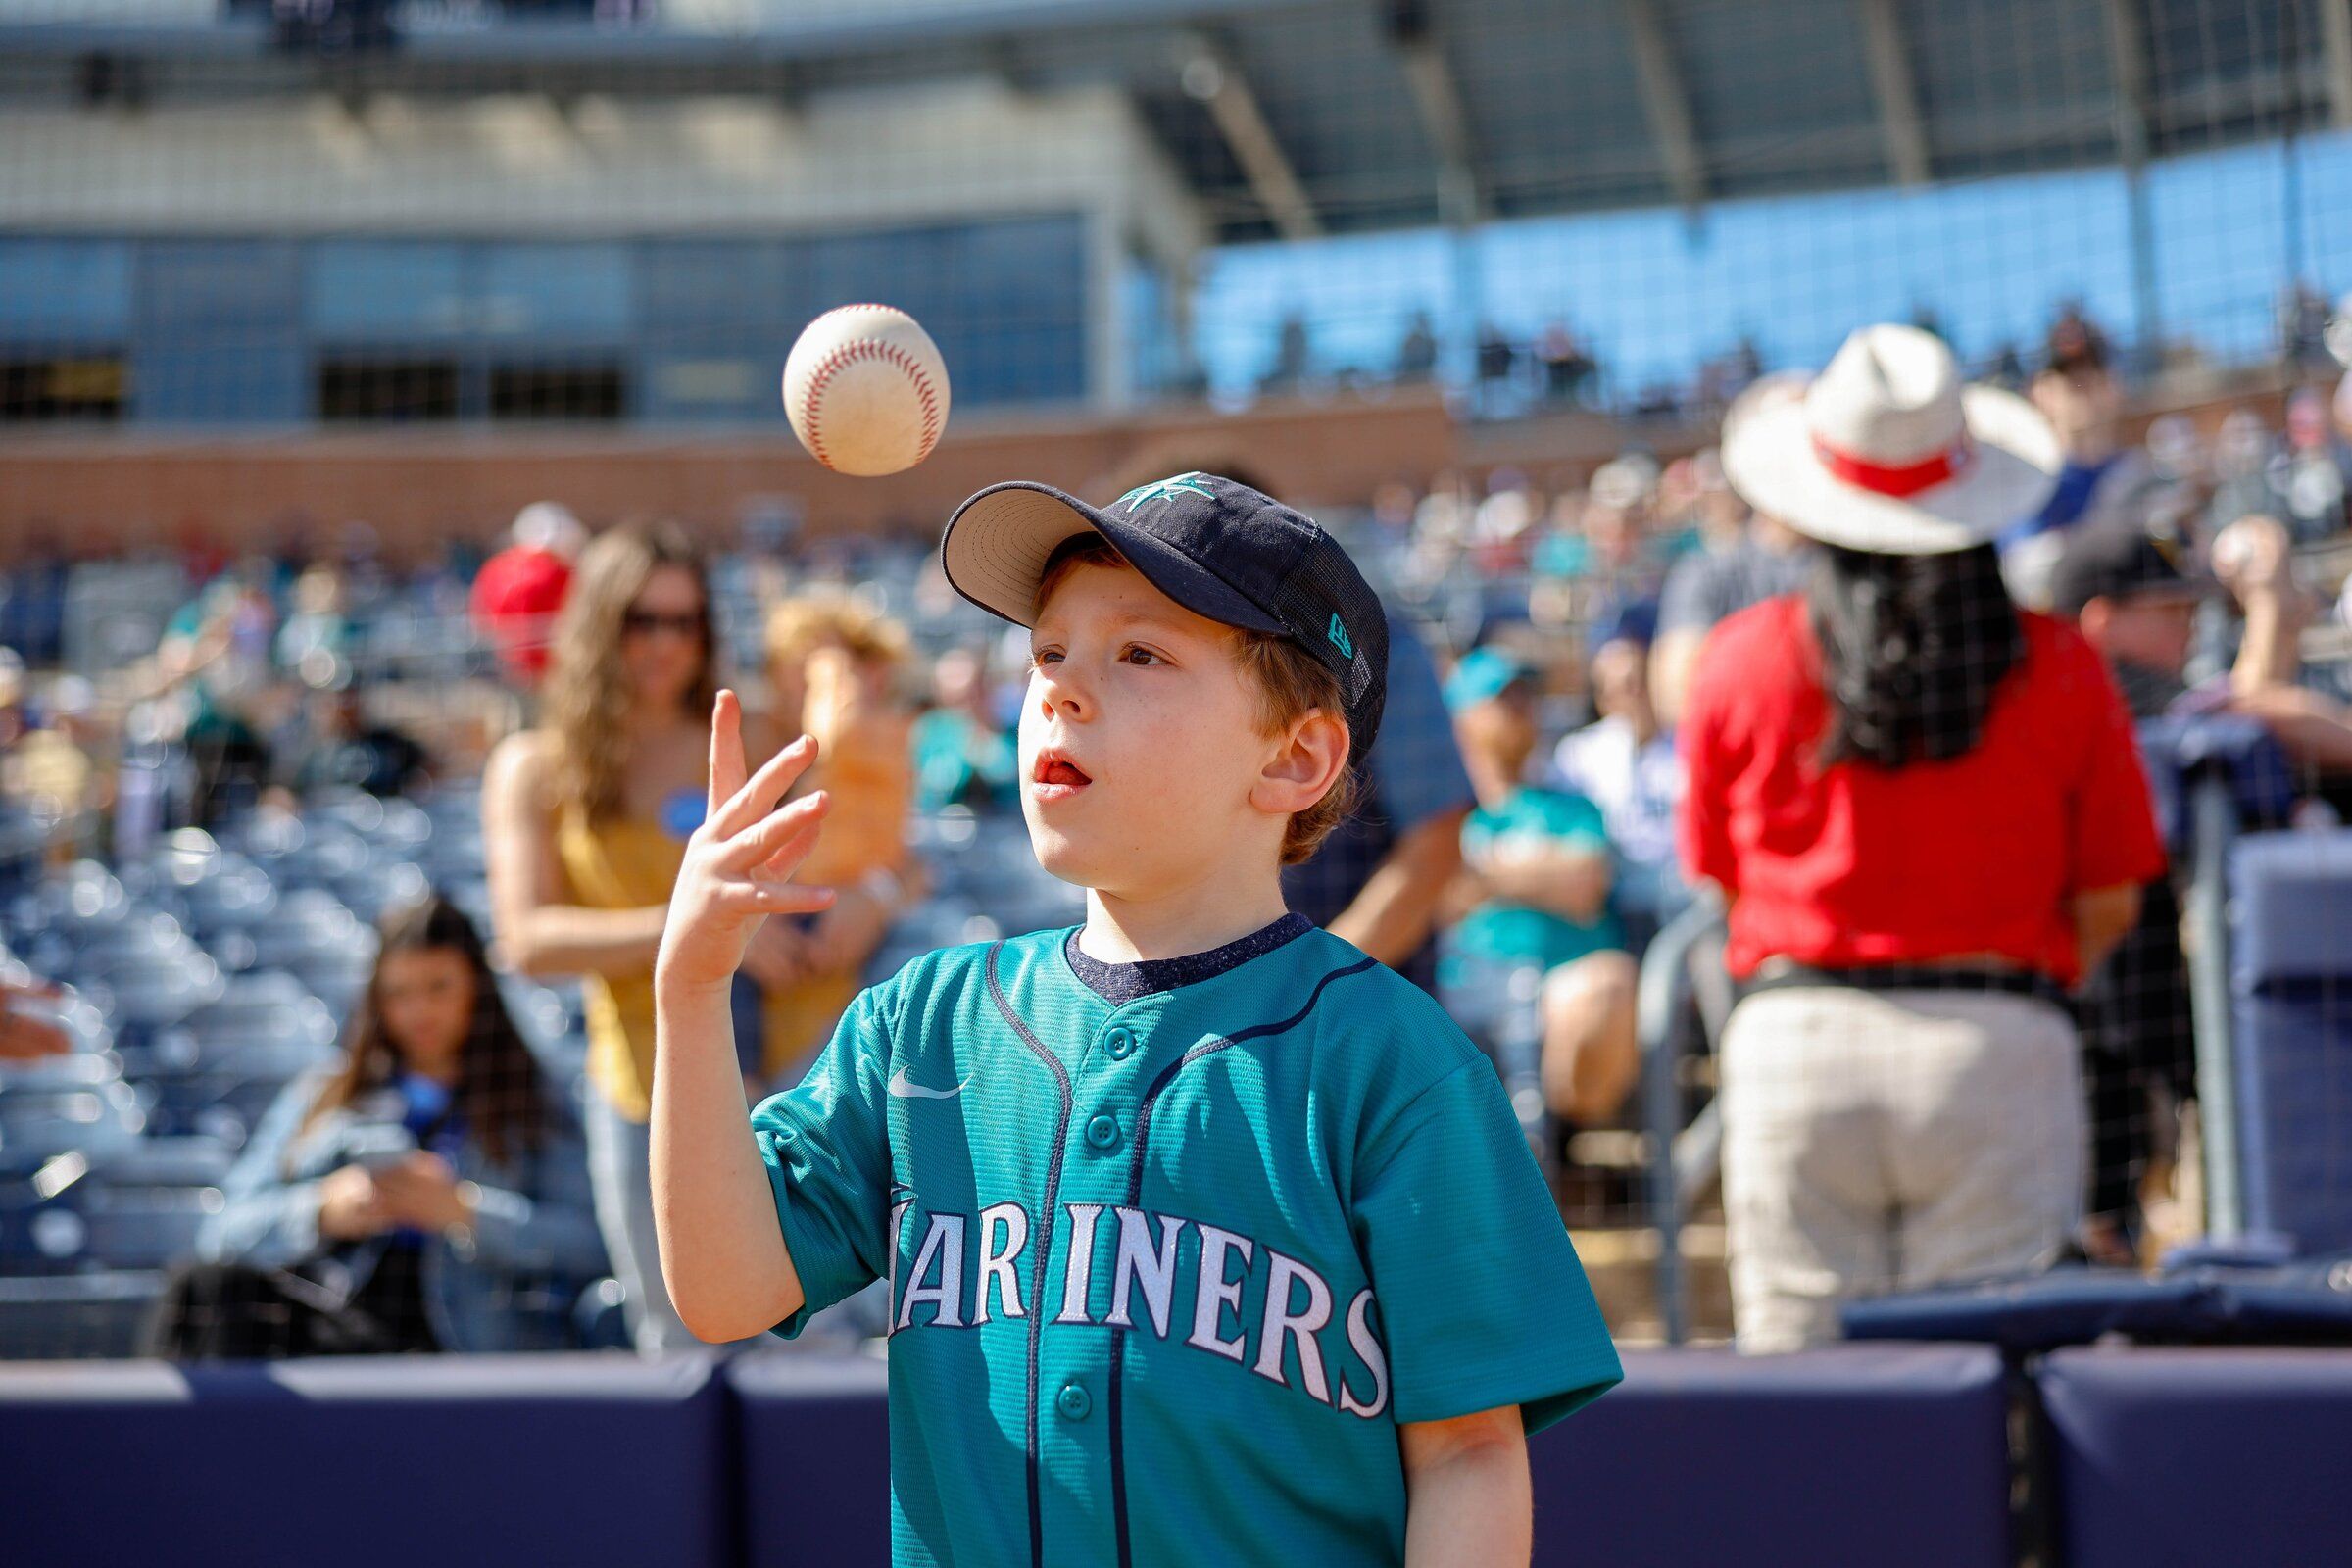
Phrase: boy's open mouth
(1054, 777)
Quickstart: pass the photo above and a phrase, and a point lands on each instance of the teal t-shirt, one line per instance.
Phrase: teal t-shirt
(1171, 1259)
(1516, 933)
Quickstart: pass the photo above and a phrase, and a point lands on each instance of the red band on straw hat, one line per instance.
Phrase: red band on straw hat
(1894, 479)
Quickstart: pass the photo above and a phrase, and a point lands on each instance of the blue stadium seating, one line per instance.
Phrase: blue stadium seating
(823, 1422)
(2291, 985)
(2192, 1459)
(1849, 1454)
(476, 1462)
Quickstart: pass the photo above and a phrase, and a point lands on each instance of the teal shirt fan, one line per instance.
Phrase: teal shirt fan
(1174, 1246)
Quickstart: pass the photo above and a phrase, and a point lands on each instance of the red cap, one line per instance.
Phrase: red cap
(516, 597)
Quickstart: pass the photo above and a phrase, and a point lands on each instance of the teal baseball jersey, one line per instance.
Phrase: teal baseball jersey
(1174, 1246)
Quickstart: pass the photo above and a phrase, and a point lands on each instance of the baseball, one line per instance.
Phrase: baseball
(865, 390)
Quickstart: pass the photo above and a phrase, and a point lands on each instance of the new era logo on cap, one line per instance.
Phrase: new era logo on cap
(1216, 547)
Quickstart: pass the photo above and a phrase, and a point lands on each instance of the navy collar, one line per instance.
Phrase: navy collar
(1122, 983)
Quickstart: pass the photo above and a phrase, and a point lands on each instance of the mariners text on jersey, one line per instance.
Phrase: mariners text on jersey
(1172, 1247)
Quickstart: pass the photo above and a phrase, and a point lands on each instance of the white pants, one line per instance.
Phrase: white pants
(1876, 1142)
(620, 1173)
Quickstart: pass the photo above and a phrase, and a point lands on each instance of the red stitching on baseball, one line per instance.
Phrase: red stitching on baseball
(870, 349)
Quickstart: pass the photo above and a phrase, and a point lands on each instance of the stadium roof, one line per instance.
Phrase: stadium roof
(1305, 116)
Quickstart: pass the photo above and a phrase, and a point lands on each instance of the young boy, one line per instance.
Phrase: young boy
(1209, 1240)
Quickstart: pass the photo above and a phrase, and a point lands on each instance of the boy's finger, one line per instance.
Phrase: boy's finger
(726, 751)
(786, 858)
(766, 787)
(759, 844)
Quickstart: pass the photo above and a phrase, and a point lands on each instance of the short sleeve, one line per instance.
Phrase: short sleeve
(2112, 817)
(1687, 602)
(1574, 823)
(826, 1145)
(1483, 1302)
(1415, 760)
(1705, 827)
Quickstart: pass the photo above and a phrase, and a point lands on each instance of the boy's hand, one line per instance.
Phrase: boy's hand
(738, 862)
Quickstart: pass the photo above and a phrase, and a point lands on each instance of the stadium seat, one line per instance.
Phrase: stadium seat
(824, 1421)
(2165, 1458)
(2291, 985)
(472, 1462)
(47, 1317)
(1851, 1454)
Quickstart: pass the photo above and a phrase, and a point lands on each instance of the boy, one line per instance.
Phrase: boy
(1208, 1238)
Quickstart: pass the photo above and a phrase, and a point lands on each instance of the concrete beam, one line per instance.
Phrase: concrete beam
(1666, 103)
(2128, 65)
(1211, 75)
(2336, 39)
(1438, 99)
(1901, 126)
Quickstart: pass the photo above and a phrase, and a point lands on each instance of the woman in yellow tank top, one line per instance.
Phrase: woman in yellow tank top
(584, 824)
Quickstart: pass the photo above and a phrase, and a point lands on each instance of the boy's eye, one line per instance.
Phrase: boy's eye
(1044, 656)
(1138, 654)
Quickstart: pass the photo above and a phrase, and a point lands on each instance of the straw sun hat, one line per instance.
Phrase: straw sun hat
(1886, 452)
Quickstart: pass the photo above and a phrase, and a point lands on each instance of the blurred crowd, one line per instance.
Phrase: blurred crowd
(1524, 837)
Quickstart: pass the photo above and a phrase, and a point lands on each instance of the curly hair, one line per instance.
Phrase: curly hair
(587, 691)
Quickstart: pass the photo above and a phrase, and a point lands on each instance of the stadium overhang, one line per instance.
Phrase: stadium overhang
(1340, 115)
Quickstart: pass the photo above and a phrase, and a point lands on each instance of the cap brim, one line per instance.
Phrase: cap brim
(998, 542)
(1770, 460)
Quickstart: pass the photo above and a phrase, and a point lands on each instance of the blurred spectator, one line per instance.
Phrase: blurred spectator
(1900, 1094)
(2303, 313)
(1417, 355)
(1378, 878)
(962, 754)
(213, 668)
(2307, 476)
(58, 770)
(317, 637)
(1497, 358)
(1626, 764)
(2138, 610)
(1294, 356)
(833, 665)
(1758, 559)
(426, 1193)
(1569, 369)
(32, 600)
(344, 748)
(519, 591)
(1611, 558)
(2103, 487)
(584, 824)
(1537, 863)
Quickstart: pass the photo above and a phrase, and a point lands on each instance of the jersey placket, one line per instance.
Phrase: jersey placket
(1078, 1381)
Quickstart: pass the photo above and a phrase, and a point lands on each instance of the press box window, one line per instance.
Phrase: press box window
(591, 393)
(385, 390)
(61, 387)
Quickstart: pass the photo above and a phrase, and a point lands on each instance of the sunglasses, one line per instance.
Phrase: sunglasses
(640, 622)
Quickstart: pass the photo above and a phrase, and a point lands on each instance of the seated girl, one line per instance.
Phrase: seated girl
(429, 1193)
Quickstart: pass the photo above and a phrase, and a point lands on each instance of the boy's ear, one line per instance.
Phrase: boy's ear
(1303, 764)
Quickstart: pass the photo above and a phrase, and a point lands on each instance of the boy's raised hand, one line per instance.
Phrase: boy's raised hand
(739, 863)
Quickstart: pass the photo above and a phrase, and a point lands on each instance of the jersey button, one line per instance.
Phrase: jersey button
(1074, 1402)
(1119, 1043)
(1103, 1131)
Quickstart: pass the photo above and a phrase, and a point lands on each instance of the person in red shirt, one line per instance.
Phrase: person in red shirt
(1927, 812)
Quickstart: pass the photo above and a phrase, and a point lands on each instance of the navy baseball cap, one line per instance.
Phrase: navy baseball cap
(1218, 547)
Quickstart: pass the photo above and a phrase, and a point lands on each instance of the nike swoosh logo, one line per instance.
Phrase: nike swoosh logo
(899, 1086)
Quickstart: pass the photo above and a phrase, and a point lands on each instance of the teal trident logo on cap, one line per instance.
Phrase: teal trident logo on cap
(1339, 638)
(1181, 484)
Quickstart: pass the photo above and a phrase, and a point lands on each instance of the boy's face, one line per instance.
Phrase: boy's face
(1140, 739)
